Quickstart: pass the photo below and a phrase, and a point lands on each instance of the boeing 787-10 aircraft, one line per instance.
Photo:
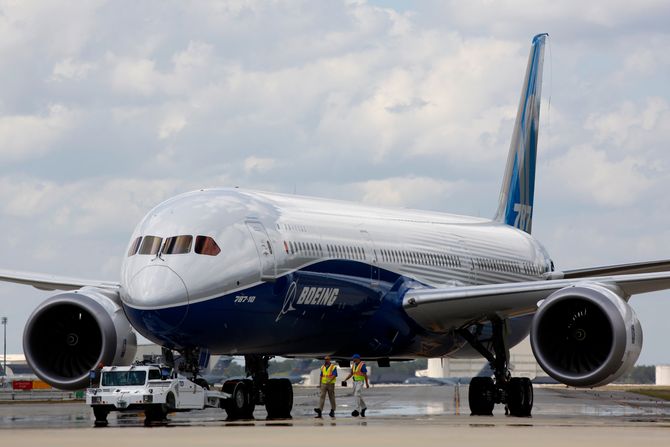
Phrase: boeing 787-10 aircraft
(230, 271)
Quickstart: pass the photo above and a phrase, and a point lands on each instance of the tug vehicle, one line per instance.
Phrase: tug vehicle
(155, 389)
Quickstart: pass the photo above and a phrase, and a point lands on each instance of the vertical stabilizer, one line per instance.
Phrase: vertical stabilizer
(518, 188)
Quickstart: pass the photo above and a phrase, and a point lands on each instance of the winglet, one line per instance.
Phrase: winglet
(518, 188)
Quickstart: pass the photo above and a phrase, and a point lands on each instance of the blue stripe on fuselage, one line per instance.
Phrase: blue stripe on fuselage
(308, 311)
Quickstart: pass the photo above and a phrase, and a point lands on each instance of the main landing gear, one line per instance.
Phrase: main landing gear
(515, 392)
(258, 389)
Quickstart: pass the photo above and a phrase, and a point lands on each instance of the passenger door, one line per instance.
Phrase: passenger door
(264, 249)
(371, 256)
(468, 263)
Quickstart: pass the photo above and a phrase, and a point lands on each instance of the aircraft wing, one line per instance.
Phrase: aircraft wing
(53, 282)
(442, 309)
(621, 269)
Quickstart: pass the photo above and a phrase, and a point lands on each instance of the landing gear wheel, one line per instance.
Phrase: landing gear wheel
(239, 406)
(279, 398)
(515, 393)
(100, 416)
(481, 396)
(520, 396)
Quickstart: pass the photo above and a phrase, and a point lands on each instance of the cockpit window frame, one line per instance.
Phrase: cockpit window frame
(199, 248)
(135, 246)
(176, 245)
(155, 247)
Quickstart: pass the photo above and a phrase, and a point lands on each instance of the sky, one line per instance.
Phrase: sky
(108, 108)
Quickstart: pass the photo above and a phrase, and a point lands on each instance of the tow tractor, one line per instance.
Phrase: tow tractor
(155, 389)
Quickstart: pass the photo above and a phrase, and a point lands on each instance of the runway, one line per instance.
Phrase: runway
(398, 415)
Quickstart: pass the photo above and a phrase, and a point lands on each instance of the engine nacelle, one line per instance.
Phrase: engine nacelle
(71, 333)
(586, 336)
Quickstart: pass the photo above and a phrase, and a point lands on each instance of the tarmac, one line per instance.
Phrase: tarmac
(397, 415)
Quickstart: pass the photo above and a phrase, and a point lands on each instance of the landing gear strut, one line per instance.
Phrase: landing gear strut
(515, 392)
(258, 389)
(190, 363)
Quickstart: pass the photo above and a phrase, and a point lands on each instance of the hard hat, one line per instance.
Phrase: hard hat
(355, 356)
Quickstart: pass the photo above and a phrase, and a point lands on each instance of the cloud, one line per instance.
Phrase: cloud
(195, 57)
(69, 69)
(259, 165)
(23, 137)
(625, 125)
(406, 191)
(84, 206)
(569, 19)
(170, 126)
(136, 76)
(588, 175)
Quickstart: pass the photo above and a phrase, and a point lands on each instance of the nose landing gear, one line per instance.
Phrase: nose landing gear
(515, 392)
(256, 389)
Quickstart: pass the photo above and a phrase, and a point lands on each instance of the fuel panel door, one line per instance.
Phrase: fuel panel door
(264, 248)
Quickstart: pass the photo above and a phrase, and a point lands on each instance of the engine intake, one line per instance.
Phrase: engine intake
(71, 333)
(586, 336)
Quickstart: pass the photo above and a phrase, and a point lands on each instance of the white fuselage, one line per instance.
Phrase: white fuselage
(265, 238)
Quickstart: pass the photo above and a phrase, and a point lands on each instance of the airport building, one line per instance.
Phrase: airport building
(663, 375)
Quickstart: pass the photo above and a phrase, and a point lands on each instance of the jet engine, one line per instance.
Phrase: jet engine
(586, 336)
(72, 332)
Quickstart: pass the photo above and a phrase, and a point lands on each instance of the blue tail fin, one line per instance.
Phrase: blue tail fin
(518, 188)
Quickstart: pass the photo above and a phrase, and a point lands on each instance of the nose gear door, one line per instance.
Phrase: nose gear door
(264, 248)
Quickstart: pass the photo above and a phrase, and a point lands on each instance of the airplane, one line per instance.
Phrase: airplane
(239, 272)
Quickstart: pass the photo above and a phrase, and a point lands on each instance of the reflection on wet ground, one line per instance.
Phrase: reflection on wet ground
(420, 404)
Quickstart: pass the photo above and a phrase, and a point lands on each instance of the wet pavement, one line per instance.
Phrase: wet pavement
(398, 416)
(415, 405)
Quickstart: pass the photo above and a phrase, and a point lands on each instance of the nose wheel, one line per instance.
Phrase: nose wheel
(516, 393)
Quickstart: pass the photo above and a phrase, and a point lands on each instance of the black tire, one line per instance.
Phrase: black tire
(170, 403)
(520, 397)
(155, 413)
(159, 412)
(239, 406)
(481, 396)
(100, 416)
(279, 398)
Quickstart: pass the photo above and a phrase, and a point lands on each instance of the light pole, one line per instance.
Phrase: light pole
(4, 350)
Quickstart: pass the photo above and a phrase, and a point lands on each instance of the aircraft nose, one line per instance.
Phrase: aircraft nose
(157, 286)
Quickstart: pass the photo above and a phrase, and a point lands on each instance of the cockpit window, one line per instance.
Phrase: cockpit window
(134, 246)
(150, 245)
(177, 245)
(205, 245)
